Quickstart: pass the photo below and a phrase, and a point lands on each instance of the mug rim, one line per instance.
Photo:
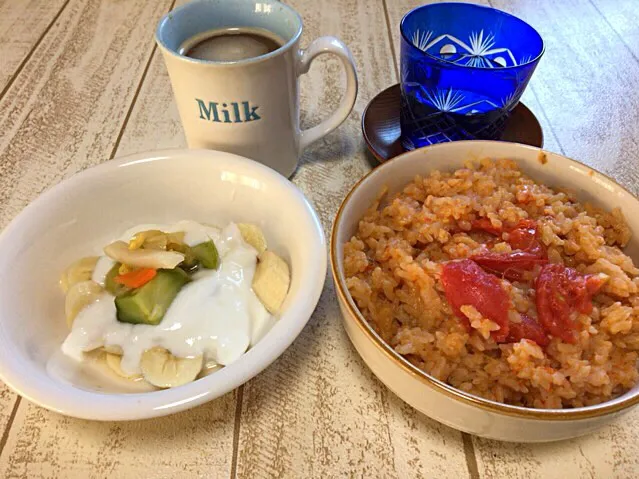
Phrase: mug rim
(230, 63)
(532, 61)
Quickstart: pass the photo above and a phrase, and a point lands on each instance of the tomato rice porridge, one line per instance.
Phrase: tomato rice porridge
(500, 286)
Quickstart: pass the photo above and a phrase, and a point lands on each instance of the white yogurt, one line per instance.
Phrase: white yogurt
(217, 314)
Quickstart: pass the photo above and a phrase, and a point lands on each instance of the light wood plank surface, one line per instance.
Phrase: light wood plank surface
(590, 101)
(7, 405)
(584, 100)
(22, 25)
(89, 84)
(195, 443)
(609, 453)
(623, 18)
(328, 416)
(64, 112)
(589, 95)
(155, 122)
(66, 109)
(276, 423)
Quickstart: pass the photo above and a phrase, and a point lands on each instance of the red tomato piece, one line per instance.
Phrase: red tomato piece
(528, 329)
(484, 224)
(508, 265)
(465, 283)
(562, 293)
(525, 237)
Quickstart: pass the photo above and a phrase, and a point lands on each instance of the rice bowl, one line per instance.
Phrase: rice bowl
(395, 267)
(397, 312)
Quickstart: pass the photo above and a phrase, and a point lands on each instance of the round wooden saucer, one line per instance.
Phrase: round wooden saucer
(381, 129)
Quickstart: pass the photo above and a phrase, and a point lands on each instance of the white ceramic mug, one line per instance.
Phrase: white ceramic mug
(248, 107)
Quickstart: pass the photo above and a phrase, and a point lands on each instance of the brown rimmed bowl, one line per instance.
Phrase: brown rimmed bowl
(440, 401)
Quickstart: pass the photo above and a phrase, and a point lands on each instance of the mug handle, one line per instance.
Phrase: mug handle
(318, 47)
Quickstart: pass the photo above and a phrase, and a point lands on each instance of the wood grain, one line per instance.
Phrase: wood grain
(589, 95)
(609, 453)
(9, 403)
(193, 443)
(588, 98)
(189, 444)
(155, 122)
(65, 110)
(623, 18)
(318, 411)
(67, 107)
(22, 24)
(580, 98)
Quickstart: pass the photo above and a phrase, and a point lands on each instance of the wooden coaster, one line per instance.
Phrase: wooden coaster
(381, 128)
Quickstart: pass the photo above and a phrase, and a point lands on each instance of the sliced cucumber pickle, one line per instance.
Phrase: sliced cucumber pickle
(190, 263)
(149, 303)
(206, 253)
(116, 289)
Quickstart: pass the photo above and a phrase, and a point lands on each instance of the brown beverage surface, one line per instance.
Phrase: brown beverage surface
(231, 44)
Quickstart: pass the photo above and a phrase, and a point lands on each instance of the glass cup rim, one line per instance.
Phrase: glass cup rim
(471, 6)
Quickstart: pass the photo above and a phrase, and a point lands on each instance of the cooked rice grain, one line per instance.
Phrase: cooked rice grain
(393, 264)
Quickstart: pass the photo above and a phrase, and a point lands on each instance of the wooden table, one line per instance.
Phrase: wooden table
(81, 81)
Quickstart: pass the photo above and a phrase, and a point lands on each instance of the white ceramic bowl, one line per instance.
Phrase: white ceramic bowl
(438, 400)
(80, 215)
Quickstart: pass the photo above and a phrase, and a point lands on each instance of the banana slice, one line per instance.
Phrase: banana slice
(81, 270)
(253, 235)
(164, 370)
(210, 364)
(271, 281)
(79, 296)
(114, 362)
(113, 349)
(209, 367)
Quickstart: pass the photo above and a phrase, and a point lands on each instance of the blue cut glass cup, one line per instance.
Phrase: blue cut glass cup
(463, 69)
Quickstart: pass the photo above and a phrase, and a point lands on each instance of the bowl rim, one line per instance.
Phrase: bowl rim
(587, 412)
(70, 400)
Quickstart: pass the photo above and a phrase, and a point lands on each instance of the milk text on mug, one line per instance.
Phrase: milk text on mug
(231, 112)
